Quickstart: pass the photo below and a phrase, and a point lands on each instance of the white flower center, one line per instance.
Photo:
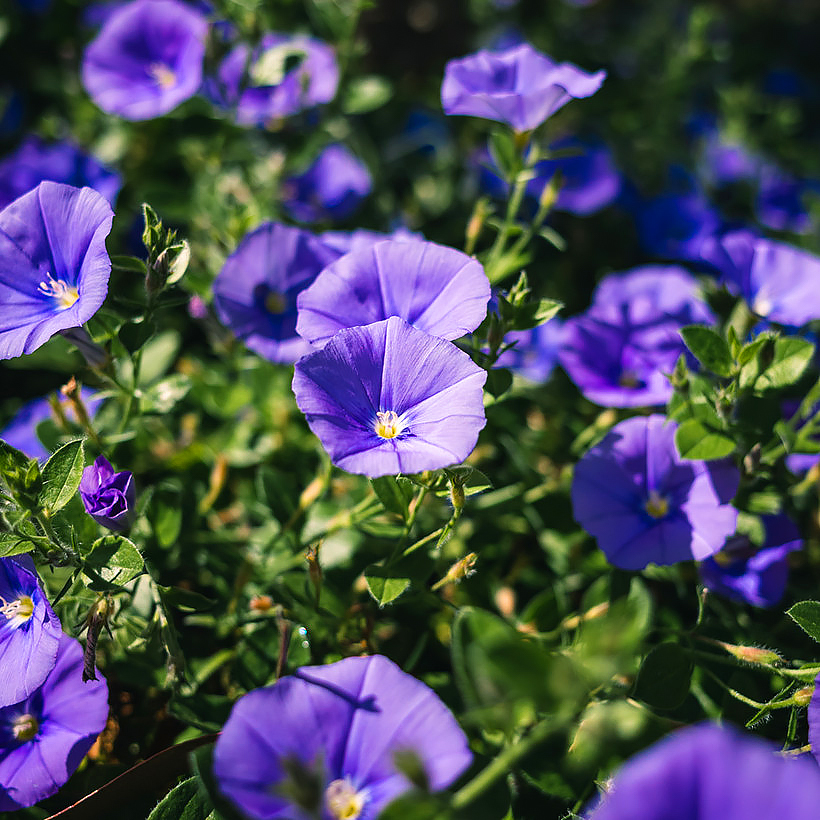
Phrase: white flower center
(17, 611)
(25, 727)
(389, 424)
(343, 801)
(60, 291)
(656, 505)
(164, 76)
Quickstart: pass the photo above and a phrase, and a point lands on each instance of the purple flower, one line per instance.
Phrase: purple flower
(644, 504)
(21, 431)
(724, 162)
(35, 161)
(754, 575)
(29, 631)
(325, 742)
(44, 737)
(388, 398)
(332, 188)
(286, 74)
(255, 292)
(536, 351)
(147, 59)
(54, 267)
(343, 242)
(780, 283)
(706, 772)
(437, 289)
(779, 203)
(619, 352)
(519, 86)
(108, 497)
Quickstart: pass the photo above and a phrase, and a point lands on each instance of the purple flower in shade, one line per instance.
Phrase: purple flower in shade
(35, 161)
(29, 631)
(332, 188)
(707, 772)
(674, 225)
(645, 505)
(44, 737)
(779, 203)
(435, 288)
(21, 431)
(536, 351)
(781, 283)
(147, 59)
(255, 292)
(724, 162)
(388, 398)
(619, 351)
(108, 497)
(54, 267)
(754, 575)
(286, 74)
(324, 742)
(520, 86)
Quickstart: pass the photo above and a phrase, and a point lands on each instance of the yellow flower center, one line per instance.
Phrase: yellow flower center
(657, 506)
(389, 424)
(17, 611)
(25, 727)
(275, 303)
(60, 291)
(343, 801)
(164, 76)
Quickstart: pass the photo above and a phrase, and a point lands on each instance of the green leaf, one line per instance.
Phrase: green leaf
(165, 515)
(385, 584)
(162, 396)
(12, 461)
(130, 264)
(117, 559)
(709, 348)
(504, 154)
(499, 381)
(697, 442)
(184, 802)
(806, 614)
(61, 476)
(186, 600)
(394, 493)
(791, 358)
(366, 94)
(11, 544)
(664, 677)
(531, 314)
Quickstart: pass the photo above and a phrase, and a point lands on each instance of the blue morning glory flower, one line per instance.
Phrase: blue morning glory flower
(54, 267)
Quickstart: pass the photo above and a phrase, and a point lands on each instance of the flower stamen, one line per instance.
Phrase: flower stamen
(163, 75)
(343, 801)
(18, 611)
(25, 727)
(389, 424)
(59, 290)
(656, 505)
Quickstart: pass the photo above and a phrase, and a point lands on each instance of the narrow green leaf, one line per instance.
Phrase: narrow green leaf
(664, 677)
(504, 154)
(186, 600)
(709, 348)
(697, 442)
(61, 476)
(806, 614)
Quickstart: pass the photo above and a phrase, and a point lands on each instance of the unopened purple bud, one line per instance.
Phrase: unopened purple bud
(108, 497)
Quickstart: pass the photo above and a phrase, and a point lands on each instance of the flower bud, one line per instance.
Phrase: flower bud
(109, 497)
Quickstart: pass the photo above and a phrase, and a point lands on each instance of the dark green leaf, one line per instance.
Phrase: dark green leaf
(394, 493)
(499, 381)
(385, 584)
(11, 544)
(504, 154)
(117, 559)
(709, 348)
(185, 802)
(416, 805)
(186, 600)
(165, 515)
(664, 677)
(61, 476)
(696, 441)
(806, 614)
(128, 263)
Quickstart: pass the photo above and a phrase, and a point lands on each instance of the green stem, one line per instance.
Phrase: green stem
(501, 765)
